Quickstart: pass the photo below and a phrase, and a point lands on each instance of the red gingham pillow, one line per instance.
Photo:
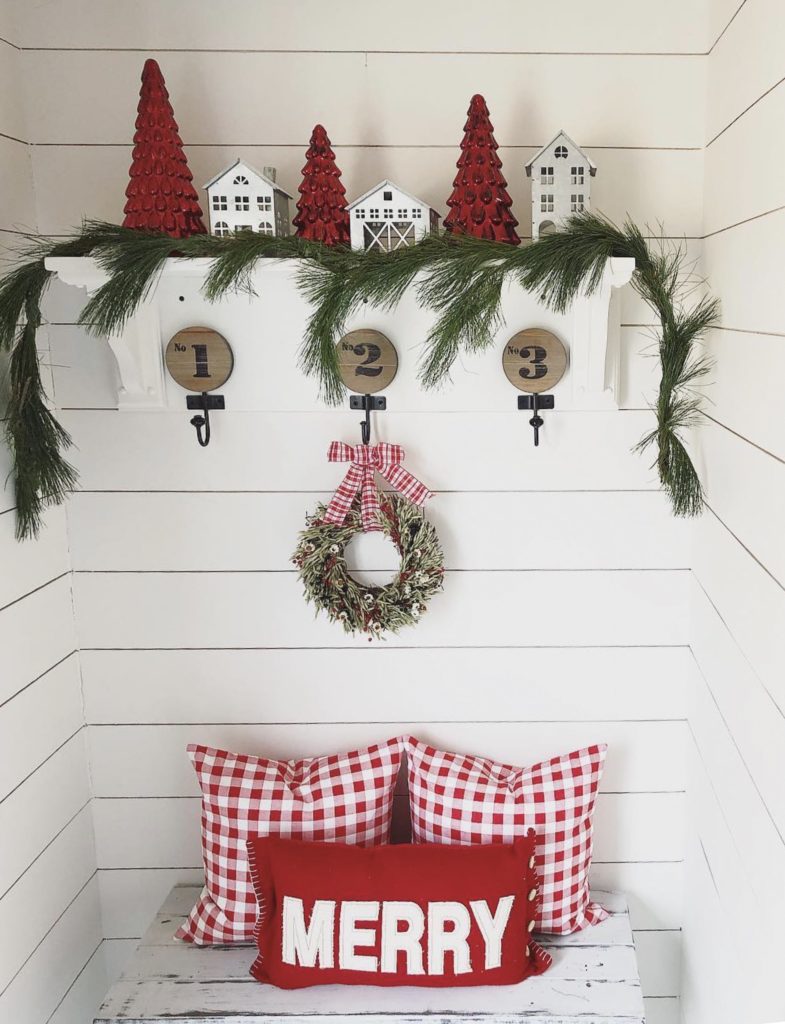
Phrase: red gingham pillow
(465, 799)
(337, 798)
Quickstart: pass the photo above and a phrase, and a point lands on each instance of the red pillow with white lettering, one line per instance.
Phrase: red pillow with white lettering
(338, 798)
(458, 798)
(394, 915)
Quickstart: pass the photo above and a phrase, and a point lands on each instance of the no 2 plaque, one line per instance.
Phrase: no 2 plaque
(367, 361)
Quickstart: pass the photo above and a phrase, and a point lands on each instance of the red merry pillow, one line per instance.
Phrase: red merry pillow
(464, 799)
(394, 915)
(341, 797)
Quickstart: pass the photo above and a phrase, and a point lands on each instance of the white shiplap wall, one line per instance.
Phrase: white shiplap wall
(736, 840)
(584, 632)
(51, 965)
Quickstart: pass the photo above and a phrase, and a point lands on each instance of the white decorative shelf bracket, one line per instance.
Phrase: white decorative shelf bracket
(595, 356)
(137, 348)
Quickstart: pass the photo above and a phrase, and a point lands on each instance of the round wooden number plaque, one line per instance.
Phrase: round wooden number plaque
(199, 359)
(368, 361)
(534, 360)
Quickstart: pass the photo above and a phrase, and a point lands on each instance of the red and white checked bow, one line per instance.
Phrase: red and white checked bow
(367, 459)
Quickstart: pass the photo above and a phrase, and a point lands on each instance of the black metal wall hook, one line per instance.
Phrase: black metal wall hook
(204, 403)
(536, 402)
(376, 403)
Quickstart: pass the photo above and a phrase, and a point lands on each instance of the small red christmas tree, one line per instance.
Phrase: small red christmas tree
(321, 208)
(160, 196)
(480, 204)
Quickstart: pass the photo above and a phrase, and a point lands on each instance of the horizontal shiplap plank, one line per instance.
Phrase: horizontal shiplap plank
(742, 391)
(752, 718)
(751, 824)
(633, 762)
(376, 93)
(81, 1001)
(749, 287)
(745, 487)
(582, 684)
(728, 198)
(16, 196)
(190, 24)
(42, 894)
(746, 62)
(27, 565)
(169, 610)
(38, 721)
(38, 988)
(573, 531)
(578, 451)
(749, 601)
(165, 833)
(629, 181)
(662, 1009)
(659, 955)
(35, 633)
(130, 898)
(41, 808)
(654, 891)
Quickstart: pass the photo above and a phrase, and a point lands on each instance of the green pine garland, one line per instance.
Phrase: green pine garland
(321, 561)
(460, 278)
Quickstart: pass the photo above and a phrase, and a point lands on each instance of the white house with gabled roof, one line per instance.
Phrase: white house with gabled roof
(388, 218)
(561, 176)
(241, 198)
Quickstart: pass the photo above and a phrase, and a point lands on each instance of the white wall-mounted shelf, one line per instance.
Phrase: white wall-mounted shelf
(266, 329)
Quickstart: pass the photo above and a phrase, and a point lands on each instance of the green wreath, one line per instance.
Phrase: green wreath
(320, 558)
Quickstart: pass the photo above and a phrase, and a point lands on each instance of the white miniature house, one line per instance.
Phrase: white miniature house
(388, 218)
(241, 198)
(561, 176)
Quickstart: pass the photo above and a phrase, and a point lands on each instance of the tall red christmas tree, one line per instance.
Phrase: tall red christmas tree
(321, 209)
(480, 204)
(160, 196)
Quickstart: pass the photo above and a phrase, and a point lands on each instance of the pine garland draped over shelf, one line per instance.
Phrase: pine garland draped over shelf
(459, 277)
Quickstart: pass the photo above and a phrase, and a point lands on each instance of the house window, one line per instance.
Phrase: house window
(403, 214)
(388, 213)
(546, 202)
(265, 203)
(238, 228)
(219, 203)
(576, 202)
(546, 175)
(387, 197)
(561, 152)
(221, 229)
(265, 228)
(359, 213)
(242, 204)
(240, 180)
(373, 213)
(417, 213)
(577, 175)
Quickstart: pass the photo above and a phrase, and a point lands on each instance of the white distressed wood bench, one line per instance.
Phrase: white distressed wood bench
(593, 980)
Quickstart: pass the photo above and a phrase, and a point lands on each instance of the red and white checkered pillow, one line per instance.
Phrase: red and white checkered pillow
(338, 798)
(465, 799)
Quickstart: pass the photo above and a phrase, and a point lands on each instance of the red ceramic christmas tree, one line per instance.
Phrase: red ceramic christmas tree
(480, 204)
(160, 194)
(321, 208)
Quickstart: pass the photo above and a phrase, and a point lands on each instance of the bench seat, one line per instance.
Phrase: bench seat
(593, 980)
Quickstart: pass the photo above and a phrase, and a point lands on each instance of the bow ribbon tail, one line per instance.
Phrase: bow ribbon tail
(341, 501)
(370, 506)
(405, 483)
